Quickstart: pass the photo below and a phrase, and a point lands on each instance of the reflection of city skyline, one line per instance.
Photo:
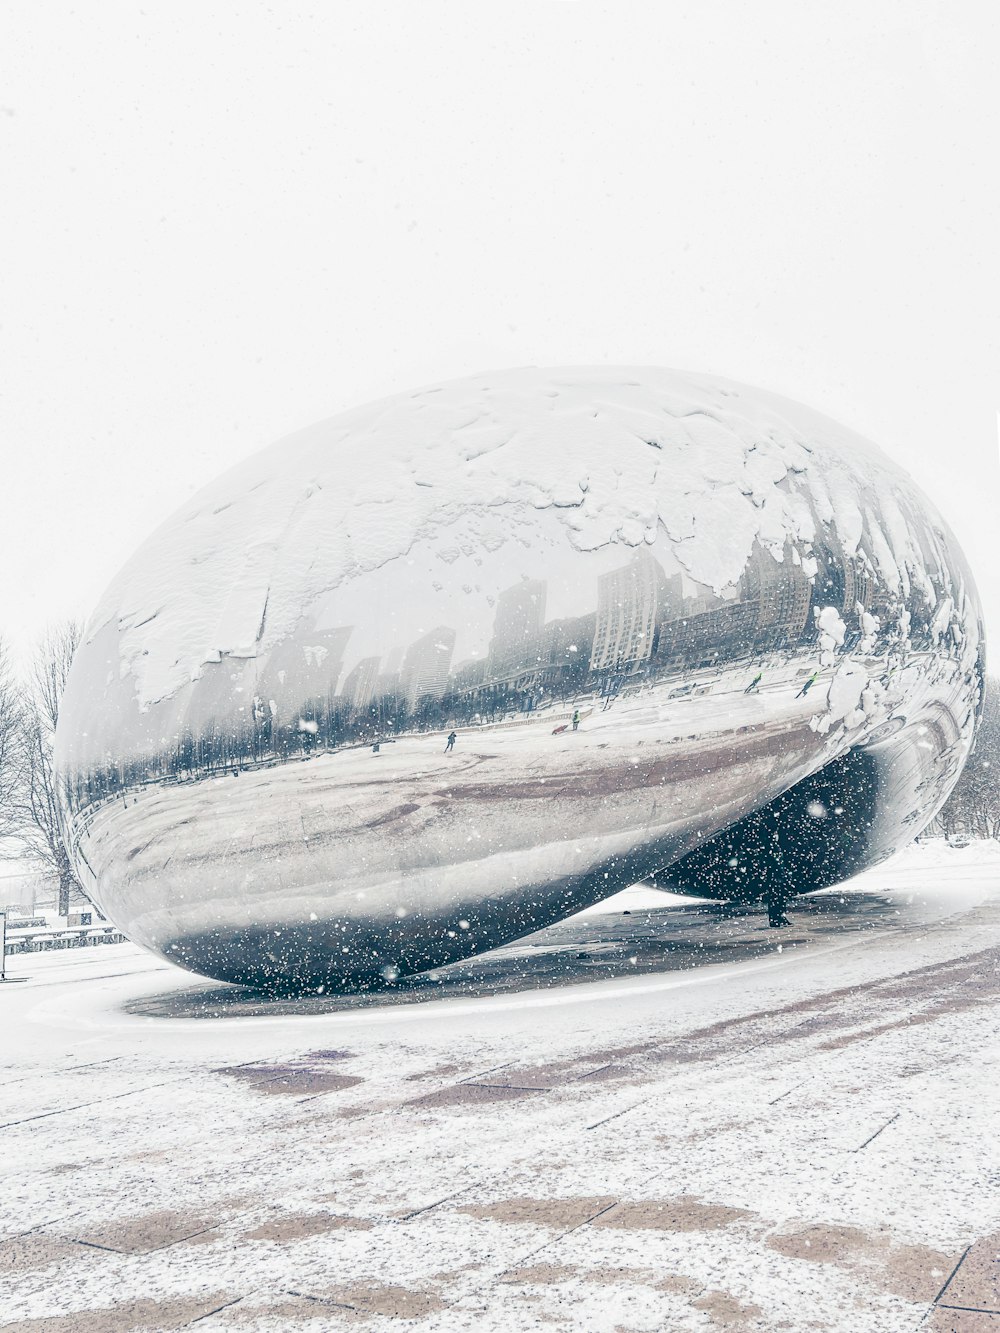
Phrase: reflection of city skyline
(644, 620)
(645, 625)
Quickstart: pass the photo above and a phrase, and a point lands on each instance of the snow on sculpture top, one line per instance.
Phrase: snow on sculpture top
(712, 466)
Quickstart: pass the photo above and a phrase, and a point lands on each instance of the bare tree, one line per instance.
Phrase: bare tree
(11, 747)
(973, 808)
(40, 825)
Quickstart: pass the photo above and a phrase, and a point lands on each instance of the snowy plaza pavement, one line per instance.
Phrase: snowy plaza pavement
(647, 1118)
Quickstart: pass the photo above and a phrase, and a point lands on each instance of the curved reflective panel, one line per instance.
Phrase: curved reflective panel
(446, 669)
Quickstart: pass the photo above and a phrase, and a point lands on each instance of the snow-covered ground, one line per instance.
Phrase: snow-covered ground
(593, 1129)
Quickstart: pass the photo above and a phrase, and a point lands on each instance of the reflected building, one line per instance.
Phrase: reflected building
(424, 674)
(304, 669)
(387, 682)
(782, 592)
(842, 581)
(361, 681)
(630, 602)
(517, 631)
(770, 610)
(710, 636)
(470, 675)
(567, 645)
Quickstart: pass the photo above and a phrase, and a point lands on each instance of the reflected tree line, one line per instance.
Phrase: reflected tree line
(973, 808)
(30, 821)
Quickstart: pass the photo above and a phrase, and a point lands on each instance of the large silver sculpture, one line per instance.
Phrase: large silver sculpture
(439, 672)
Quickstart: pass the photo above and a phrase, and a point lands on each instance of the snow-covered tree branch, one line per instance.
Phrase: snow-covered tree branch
(973, 809)
(11, 745)
(38, 823)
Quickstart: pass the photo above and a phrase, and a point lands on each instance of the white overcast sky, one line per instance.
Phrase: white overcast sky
(221, 222)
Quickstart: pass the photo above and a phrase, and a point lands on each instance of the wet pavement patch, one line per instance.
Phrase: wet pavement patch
(558, 1214)
(127, 1317)
(536, 1078)
(947, 1319)
(290, 1079)
(605, 1073)
(914, 1272)
(21, 1254)
(540, 1275)
(676, 1284)
(469, 1094)
(439, 1071)
(279, 1312)
(296, 1226)
(975, 1284)
(821, 1243)
(389, 1301)
(726, 1311)
(143, 1235)
(680, 1214)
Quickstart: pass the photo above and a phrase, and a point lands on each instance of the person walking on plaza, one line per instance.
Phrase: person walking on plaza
(754, 683)
(576, 718)
(452, 738)
(808, 684)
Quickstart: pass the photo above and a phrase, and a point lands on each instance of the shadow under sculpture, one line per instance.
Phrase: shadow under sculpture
(442, 671)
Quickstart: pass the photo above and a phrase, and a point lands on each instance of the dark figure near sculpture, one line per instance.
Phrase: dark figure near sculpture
(808, 684)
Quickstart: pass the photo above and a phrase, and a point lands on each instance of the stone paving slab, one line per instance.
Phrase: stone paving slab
(144, 1234)
(976, 1281)
(147, 1316)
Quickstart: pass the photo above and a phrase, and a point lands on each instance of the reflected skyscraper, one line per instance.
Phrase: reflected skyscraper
(304, 669)
(630, 601)
(426, 665)
(517, 630)
(360, 682)
(783, 591)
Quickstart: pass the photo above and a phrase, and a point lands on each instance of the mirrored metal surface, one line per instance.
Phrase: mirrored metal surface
(443, 671)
